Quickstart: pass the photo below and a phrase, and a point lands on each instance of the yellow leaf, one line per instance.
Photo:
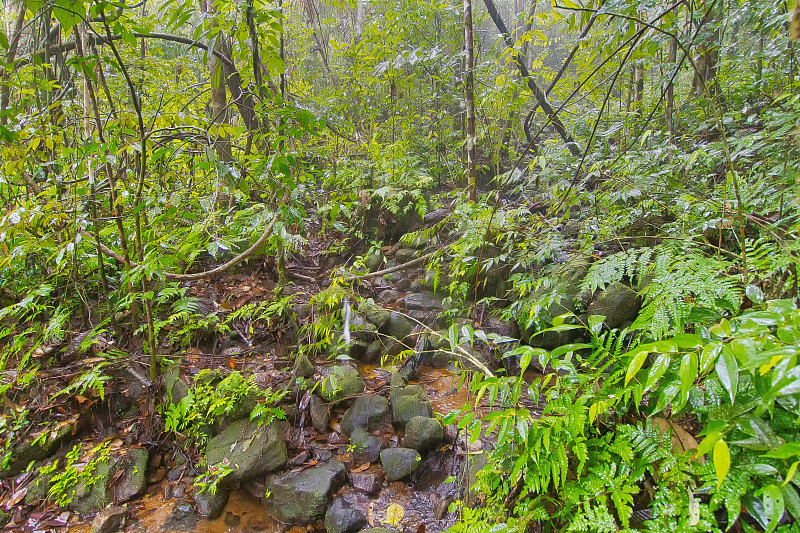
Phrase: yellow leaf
(722, 461)
(394, 514)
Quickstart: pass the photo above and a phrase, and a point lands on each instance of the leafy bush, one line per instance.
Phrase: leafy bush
(576, 455)
(213, 398)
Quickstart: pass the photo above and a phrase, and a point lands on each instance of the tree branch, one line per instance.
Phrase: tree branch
(214, 271)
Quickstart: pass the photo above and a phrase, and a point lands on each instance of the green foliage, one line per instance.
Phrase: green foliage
(78, 470)
(675, 282)
(214, 397)
(745, 390)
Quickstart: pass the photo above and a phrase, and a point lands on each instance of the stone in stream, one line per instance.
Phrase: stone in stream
(374, 261)
(366, 447)
(399, 462)
(423, 434)
(249, 448)
(375, 351)
(340, 382)
(126, 467)
(404, 255)
(423, 301)
(302, 497)
(408, 402)
(342, 517)
(399, 326)
(374, 313)
(369, 482)
(572, 298)
(320, 414)
(109, 520)
(210, 506)
(362, 329)
(366, 412)
(182, 518)
(417, 241)
(618, 303)
(303, 367)
(434, 285)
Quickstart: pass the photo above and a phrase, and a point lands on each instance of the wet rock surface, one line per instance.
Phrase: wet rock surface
(302, 497)
(249, 449)
(342, 517)
(399, 462)
(367, 412)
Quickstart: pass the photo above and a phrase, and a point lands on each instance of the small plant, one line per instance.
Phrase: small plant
(210, 480)
(213, 397)
(77, 470)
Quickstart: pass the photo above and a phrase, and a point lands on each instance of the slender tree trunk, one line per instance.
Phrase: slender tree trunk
(670, 103)
(639, 91)
(359, 22)
(537, 92)
(469, 89)
(10, 56)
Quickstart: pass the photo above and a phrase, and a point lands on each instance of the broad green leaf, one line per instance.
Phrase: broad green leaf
(773, 505)
(728, 372)
(688, 373)
(69, 12)
(708, 443)
(791, 472)
(755, 293)
(688, 341)
(721, 330)
(722, 461)
(636, 364)
(791, 500)
(790, 449)
(657, 371)
(709, 356)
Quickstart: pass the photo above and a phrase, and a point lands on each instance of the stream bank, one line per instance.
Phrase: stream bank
(362, 434)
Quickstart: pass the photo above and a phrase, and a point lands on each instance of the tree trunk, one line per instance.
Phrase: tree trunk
(469, 89)
(537, 92)
(708, 58)
(669, 108)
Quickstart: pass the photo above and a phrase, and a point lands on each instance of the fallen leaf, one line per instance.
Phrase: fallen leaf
(394, 514)
(17, 497)
(360, 468)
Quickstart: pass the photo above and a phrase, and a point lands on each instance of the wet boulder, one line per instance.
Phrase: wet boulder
(374, 261)
(109, 520)
(340, 382)
(320, 414)
(303, 367)
(366, 412)
(182, 518)
(369, 482)
(408, 402)
(24, 452)
(423, 434)
(619, 303)
(375, 314)
(571, 298)
(366, 447)
(404, 255)
(342, 517)
(399, 326)
(302, 497)
(116, 478)
(210, 505)
(399, 462)
(251, 449)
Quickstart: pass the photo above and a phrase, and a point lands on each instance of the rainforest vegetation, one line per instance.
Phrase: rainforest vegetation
(419, 265)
